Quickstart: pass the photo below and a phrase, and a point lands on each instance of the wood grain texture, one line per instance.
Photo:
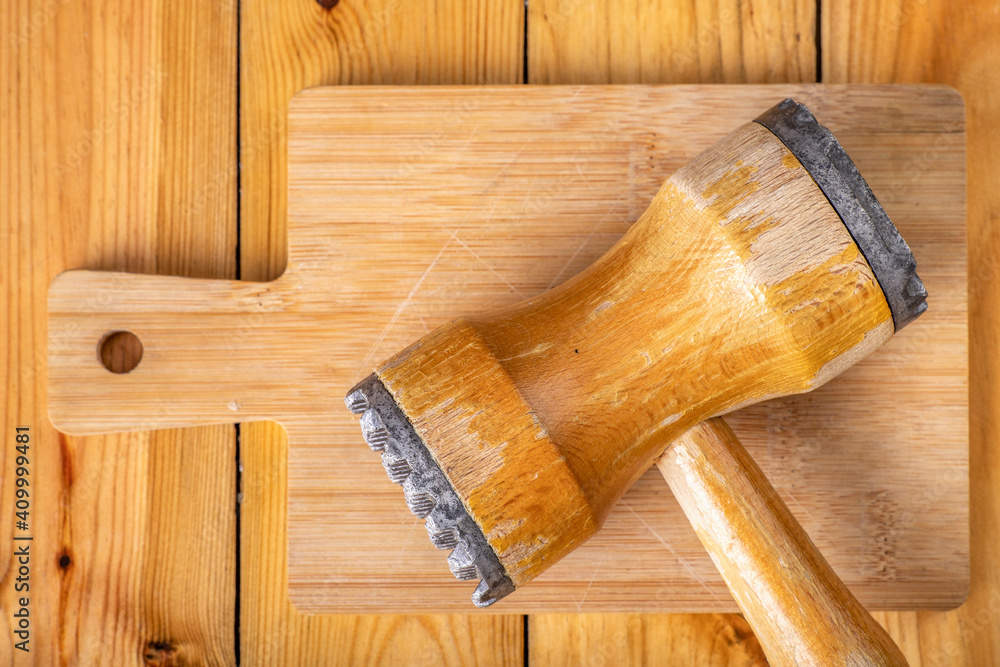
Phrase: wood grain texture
(936, 41)
(549, 218)
(109, 125)
(799, 609)
(575, 41)
(288, 46)
(599, 640)
(544, 413)
(661, 41)
(914, 41)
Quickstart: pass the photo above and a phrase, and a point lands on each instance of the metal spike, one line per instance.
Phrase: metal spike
(397, 469)
(484, 596)
(421, 504)
(356, 401)
(461, 563)
(374, 431)
(445, 539)
(442, 528)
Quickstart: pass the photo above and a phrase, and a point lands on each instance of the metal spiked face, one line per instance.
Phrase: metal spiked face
(427, 491)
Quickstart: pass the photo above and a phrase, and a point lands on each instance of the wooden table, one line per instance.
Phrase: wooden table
(150, 137)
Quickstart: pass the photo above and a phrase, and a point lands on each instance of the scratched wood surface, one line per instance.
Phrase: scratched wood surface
(289, 349)
(288, 46)
(557, 194)
(110, 128)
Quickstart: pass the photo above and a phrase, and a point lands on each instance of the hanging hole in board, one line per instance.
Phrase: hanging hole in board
(120, 351)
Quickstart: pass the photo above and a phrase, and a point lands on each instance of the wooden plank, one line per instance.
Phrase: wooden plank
(662, 41)
(936, 41)
(415, 170)
(693, 42)
(286, 47)
(707, 640)
(110, 126)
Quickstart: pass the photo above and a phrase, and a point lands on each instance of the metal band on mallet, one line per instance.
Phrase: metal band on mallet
(878, 239)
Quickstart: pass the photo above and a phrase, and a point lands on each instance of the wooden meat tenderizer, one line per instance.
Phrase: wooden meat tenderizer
(762, 268)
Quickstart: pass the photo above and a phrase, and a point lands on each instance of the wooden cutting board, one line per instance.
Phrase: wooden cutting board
(411, 205)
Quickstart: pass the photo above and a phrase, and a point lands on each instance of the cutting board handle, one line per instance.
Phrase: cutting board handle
(210, 351)
(800, 610)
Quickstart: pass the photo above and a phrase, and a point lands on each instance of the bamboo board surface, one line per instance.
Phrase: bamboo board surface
(454, 200)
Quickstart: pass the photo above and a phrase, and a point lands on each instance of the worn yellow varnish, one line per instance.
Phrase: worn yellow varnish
(497, 454)
(739, 283)
(800, 610)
